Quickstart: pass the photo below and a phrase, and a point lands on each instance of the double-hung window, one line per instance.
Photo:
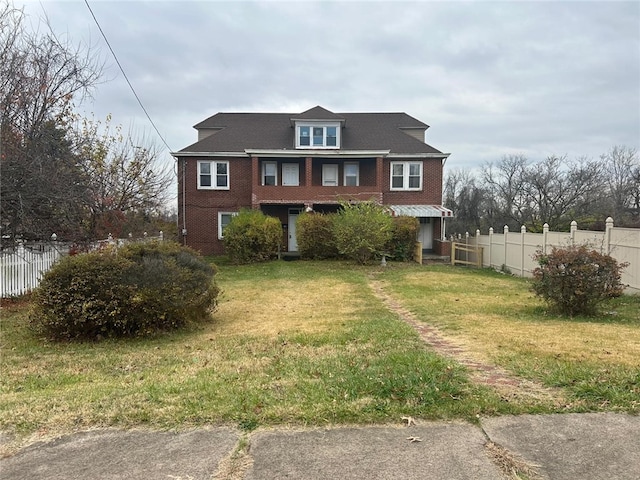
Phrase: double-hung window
(317, 136)
(224, 218)
(406, 175)
(213, 175)
(329, 175)
(269, 173)
(351, 175)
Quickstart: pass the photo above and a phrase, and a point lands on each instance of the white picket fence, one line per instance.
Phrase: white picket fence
(22, 268)
(514, 251)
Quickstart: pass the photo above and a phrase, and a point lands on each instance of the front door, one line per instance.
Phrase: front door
(290, 174)
(426, 233)
(293, 218)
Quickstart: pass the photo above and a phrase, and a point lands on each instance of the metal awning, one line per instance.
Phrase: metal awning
(437, 211)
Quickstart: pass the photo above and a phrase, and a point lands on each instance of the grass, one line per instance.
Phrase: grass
(292, 343)
(307, 343)
(596, 359)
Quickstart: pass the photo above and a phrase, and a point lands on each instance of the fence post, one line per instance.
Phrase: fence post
(478, 239)
(523, 230)
(607, 235)
(466, 243)
(574, 229)
(506, 234)
(490, 246)
(453, 253)
(161, 236)
(545, 237)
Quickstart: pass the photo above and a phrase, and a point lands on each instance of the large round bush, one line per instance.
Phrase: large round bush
(139, 289)
(577, 279)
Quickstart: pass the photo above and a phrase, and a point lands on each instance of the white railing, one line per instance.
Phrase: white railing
(514, 251)
(22, 268)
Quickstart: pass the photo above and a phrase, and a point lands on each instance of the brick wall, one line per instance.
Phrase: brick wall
(245, 190)
(202, 206)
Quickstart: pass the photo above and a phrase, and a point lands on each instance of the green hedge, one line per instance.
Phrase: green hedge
(314, 233)
(362, 230)
(252, 236)
(404, 232)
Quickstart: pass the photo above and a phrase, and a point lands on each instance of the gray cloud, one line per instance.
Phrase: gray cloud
(489, 77)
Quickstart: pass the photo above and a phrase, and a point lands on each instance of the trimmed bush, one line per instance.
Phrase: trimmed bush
(314, 233)
(362, 230)
(404, 232)
(577, 279)
(137, 290)
(252, 236)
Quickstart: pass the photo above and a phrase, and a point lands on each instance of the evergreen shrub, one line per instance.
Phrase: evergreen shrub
(135, 290)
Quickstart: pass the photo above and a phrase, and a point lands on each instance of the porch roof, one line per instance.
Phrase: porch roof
(421, 210)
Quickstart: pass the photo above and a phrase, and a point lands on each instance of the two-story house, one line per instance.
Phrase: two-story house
(286, 163)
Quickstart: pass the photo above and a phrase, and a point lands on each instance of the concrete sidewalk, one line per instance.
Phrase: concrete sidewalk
(569, 446)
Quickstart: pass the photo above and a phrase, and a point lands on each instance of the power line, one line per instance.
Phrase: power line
(126, 78)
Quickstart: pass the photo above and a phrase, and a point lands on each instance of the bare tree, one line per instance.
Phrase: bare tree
(125, 175)
(622, 173)
(468, 201)
(505, 185)
(40, 77)
(559, 191)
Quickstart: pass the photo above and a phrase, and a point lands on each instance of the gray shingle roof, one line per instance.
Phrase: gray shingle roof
(361, 131)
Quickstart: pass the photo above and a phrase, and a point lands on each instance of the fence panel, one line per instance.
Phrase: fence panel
(624, 246)
(515, 251)
(21, 270)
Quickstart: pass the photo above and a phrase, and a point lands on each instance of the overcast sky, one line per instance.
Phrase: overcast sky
(490, 78)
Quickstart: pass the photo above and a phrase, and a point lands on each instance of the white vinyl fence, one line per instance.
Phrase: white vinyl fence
(22, 268)
(514, 251)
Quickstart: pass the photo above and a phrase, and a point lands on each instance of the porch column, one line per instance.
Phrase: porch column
(255, 182)
(379, 177)
(308, 173)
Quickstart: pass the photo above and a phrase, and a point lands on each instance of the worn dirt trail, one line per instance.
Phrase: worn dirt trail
(509, 386)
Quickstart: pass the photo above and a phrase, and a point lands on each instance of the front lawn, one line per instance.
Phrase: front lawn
(596, 359)
(308, 343)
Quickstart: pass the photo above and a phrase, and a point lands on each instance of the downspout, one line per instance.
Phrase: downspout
(184, 207)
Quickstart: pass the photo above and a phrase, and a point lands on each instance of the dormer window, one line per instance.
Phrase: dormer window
(317, 136)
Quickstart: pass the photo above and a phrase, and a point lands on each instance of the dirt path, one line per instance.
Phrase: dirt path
(509, 386)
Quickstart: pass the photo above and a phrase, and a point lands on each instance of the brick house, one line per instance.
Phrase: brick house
(286, 163)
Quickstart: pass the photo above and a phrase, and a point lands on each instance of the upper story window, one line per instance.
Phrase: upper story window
(329, 175)
(351, 175)
(213, 175)
(317, 136)
(406, 175)
(269, 173)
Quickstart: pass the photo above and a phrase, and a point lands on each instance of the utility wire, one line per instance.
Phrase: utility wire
(127, 78)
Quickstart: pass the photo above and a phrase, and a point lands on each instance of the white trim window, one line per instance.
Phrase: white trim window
(406, 175)
(351, 174)
(213, 175)
(329, 175)
(318, 136)
(270, 173)
(224, 218)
